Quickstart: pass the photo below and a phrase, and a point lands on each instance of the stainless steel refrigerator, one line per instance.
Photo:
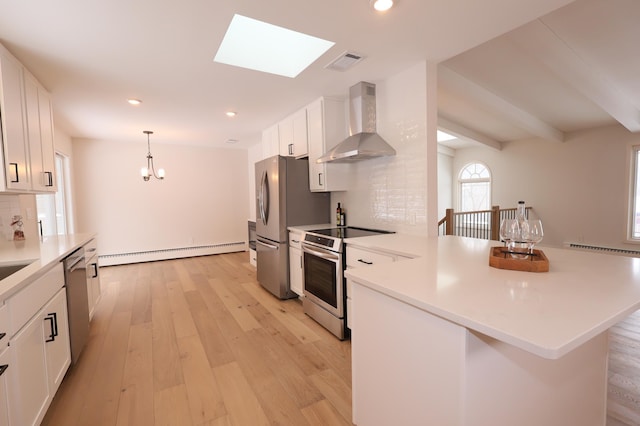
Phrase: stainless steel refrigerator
(283, 199)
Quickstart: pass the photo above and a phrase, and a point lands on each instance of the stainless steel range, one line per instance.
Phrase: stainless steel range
(323, 253)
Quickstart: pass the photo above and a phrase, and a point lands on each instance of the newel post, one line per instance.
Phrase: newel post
(448, 222)
(495, 223)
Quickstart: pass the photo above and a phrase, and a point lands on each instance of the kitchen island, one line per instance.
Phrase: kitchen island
(445, 339)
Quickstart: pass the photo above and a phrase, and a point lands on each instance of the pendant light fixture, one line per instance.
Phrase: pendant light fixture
(150, 170)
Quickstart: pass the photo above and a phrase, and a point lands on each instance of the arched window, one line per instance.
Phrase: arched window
(474, 183)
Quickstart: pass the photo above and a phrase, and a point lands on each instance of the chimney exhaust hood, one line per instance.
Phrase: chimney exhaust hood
(364, 142)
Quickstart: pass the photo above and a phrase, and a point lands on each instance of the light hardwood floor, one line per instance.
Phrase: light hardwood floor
(198, 342)
(623, 401)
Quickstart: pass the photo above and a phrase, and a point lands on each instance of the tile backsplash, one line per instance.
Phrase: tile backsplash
(9, 207)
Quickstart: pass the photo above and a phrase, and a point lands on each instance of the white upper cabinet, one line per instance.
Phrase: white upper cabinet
(27, 130)
(293, 135)
(40, 132)
(14, 139)
(327, 126)
(270, 142)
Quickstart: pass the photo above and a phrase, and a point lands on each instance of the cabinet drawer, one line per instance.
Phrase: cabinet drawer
(357, 257)
(91, 248)
(32, 298)
(294, 239)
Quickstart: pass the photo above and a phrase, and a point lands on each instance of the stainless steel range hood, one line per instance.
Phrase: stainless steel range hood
(364, 142)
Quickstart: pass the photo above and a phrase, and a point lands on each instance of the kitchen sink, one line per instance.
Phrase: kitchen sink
(6, 270)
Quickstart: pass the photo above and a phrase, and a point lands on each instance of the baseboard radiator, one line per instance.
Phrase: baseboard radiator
(170, 253)
(601, 249)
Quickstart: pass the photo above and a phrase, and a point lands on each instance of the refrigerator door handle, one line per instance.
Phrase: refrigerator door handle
(263, 199)
(270, 246)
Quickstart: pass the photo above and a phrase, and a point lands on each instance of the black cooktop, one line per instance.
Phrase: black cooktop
(349, 232)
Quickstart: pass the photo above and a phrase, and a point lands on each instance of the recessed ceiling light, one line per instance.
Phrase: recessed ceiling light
(257, 45)
(134, 101)
(232, 141)
(231, 113)
(381, 5)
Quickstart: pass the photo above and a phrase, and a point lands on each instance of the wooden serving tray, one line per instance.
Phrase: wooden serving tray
(501, 259)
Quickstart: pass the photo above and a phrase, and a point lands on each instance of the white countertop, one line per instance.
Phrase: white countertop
(41, 254)
(547, 314)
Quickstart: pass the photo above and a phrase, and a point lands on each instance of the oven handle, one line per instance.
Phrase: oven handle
(320, 253)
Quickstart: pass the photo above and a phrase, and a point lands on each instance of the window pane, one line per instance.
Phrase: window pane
(474, 171)
(474, 196)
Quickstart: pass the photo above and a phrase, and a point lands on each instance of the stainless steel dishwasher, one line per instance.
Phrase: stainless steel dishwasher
(75, 278)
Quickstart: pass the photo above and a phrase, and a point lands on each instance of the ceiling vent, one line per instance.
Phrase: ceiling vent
(345, 61)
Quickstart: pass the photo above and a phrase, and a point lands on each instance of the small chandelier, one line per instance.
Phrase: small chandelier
(149, 171)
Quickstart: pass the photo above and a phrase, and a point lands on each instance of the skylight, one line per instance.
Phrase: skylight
(257, 45)
(443, 136)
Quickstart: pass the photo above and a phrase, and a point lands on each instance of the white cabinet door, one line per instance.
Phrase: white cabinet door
(40, 132)
(293, 135)
(299, 125)
(295, 263)
(28, 378)
(14, 140)
(285, 132)
(326, 127)
(295, 270)
(57, 345)
(270, 142)
(4, 385)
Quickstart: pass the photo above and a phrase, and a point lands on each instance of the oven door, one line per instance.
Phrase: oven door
(323, 283)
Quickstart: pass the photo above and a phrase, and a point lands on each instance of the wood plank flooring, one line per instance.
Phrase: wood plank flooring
(623, 399)
(198, 342)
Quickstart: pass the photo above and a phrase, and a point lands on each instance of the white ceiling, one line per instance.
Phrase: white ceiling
(574, 68)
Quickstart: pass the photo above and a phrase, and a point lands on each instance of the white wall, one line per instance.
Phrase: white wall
(445, 183)
(202, 200)
(391, 192)
(578, 188)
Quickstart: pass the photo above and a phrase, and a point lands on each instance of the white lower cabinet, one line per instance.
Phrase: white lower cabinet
(295, 263)
(57, 343)
(29, 383)
(358, 257)
(39, 347)
(4, 384)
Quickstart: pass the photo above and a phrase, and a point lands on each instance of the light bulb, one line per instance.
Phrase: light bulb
(144, 172)
(382, 5)
(161, 173)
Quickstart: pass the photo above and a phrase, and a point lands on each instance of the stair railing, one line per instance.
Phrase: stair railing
(483, 224)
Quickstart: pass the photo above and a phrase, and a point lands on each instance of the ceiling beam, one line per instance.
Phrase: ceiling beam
(546, 46)
(516, 115)
(465, 133)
